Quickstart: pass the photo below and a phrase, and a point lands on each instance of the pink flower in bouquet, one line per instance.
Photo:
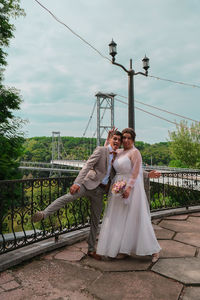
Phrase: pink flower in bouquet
(118, 187)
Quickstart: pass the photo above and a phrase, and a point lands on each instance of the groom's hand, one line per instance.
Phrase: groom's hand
(74, 189)
(154, 174)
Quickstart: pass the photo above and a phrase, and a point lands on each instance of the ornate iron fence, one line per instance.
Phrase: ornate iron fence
(175, 189)
(19, 199)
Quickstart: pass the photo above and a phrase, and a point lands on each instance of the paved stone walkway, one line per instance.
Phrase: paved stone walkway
(68, 274)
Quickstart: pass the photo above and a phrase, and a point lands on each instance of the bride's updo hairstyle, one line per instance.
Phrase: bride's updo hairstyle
(130, 131)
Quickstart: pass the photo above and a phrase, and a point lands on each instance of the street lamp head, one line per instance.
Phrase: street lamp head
(113, 50)
(146, 64)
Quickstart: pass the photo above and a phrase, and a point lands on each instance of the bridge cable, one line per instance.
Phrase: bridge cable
(90, 118)
(177, 124)
(148, 112)
(84, 133)
(162, 110)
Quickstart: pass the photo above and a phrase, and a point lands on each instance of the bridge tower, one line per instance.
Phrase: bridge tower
(105, 102)
(56, 147)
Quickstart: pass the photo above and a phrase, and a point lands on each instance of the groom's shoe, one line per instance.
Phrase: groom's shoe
(38, 216)
(94, 255)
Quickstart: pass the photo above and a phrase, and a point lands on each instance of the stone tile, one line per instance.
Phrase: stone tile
(55, 280)
(135, 286)
(189, 238)
(156, 221)
(70, 254)
(185, 270)
(15, 295)
(197, 214)
(177, 217)
(155, 226)
(72, 248)
(10, 285)
(171, 248)
(162, 233)
(83, 246)
(5, 277)
(179, 226)
(48, 256)
(191, 293)
(54, 294)
(132, 263)
(194, 220)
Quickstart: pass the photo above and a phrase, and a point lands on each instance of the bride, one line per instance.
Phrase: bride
(126, 226)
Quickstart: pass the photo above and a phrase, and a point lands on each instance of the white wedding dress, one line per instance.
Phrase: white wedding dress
(126, 226)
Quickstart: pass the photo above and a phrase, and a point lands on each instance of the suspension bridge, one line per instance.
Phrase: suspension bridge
(104, 106)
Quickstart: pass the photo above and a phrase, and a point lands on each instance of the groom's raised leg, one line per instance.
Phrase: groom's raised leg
(57, 204)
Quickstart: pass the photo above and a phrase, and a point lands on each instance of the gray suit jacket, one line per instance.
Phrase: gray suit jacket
(95, 169)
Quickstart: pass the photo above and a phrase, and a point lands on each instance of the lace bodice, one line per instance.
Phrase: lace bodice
(129, 164)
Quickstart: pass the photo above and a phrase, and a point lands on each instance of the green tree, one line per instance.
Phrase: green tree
(157, 154)
(185, 145)
(11, 135)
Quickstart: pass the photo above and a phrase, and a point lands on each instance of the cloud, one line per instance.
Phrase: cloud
(59, 75)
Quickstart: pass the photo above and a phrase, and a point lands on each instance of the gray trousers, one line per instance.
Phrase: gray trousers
(96, 199)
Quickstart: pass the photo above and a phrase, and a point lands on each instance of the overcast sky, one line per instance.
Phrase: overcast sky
(58, 75)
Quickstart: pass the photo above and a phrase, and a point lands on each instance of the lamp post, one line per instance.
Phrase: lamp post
(131, 73)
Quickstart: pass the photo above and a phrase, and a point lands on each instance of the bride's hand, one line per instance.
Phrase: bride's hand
(126, 193)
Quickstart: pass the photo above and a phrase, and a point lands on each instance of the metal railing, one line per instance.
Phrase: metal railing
(19, 199)
(175, 189)
(170, 169)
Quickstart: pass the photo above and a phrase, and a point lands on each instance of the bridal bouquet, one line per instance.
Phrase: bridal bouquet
(118, 187)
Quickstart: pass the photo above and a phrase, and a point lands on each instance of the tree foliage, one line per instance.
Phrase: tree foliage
(8, 9)
(154, 154)
(40, 148)
(185, 145)
(11, 135)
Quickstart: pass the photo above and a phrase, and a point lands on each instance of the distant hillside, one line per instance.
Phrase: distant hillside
(40, 149)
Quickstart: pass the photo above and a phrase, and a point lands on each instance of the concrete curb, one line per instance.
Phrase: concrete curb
(174, 211)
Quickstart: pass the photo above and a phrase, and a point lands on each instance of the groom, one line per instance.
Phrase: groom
(93, 182)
